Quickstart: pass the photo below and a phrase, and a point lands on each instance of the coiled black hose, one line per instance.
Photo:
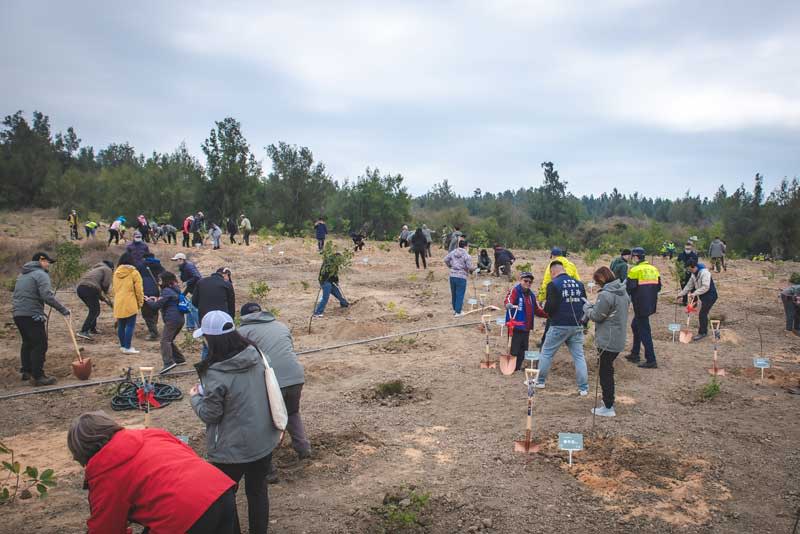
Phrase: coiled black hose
(126, 397)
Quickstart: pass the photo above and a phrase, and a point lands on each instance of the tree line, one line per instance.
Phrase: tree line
(41, 169)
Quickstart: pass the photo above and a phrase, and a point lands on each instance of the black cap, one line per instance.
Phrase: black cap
(42, 256)
(625, 252)
(250, 307)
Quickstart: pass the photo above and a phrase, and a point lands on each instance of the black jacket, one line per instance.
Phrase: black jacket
(232, 227)
(214, 293)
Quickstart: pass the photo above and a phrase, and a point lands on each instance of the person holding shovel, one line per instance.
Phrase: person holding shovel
(93, 287)
(700, 285)
(521, 306)
(128, 300)
(329, 284)
(643, 285)
(610, 315)
(460, 264)
(564, 307)
(148, 477)
(167, 303)
(232, 401)
(32, 291)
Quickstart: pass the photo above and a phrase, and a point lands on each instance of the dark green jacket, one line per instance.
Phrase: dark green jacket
(620, 268)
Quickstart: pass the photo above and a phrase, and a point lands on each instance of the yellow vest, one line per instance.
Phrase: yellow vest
(569, 267)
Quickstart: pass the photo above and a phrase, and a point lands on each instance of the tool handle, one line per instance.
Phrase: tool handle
(72, 335)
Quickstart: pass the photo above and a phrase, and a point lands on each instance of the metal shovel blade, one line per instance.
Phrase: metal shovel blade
(488, 364)
(82, 369)
(716, 371)
(527, 447)
(685, 336)
(508, 362)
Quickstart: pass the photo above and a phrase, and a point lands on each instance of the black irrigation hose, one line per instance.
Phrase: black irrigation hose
(126, 397)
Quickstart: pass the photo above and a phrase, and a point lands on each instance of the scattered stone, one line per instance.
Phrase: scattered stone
(487, 522)
(405, 503)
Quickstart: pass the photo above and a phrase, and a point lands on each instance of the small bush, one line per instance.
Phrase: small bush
(403, 511)
(259, 290)
(429, 277)
(710, 390)
(19, 481)
(794, 278)
(523, 267)
(305, 285)
(68, 269)
(389, 389)
(591, 256)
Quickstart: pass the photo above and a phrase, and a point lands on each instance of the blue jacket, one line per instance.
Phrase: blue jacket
(565, 298)
(150, 278)
(321, 230)
(168, 304)
(643, 284)
(527, 307)
(190, 275)
(137, 249)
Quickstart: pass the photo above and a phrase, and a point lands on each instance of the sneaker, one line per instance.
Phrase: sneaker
(25, 376)
(180, 362)
(602, 411)
(648, 365)
(633, 358)
(583, 392)
(84, 335)
(698, 337)
(167, 368)
(130, 351)
(304, 455)
(539, 385)
(43, 380)
(152, 337)
(94, 331)
(318, 316)
(459, 314)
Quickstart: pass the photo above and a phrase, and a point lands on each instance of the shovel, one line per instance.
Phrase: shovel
(82, 368)
(715, 369)
(487, 362)
(685, 335)
(527, 445)
(508, 362)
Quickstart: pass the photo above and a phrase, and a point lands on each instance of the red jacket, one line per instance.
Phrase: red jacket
(187, 225)
(527, 307)
(151, 478)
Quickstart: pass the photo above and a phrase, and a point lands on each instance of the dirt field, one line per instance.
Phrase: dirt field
(669, 462)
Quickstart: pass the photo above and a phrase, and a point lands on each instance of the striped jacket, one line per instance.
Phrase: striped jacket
(644, 284)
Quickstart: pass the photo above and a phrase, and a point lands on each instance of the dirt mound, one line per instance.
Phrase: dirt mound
(774, 376)
(327, 371)
(355, 330)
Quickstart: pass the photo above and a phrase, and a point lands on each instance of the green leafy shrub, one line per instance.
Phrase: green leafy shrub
(523, 267)
(259, 291)
(19, 481)
(68, 269)
(389, 389)
(794, 278)
(710, 390)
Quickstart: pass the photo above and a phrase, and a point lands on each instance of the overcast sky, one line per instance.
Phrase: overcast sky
(650, 96)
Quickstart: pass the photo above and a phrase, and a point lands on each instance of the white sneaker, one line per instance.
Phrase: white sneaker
(130, 351)
(458, 315)
(602, 411)
(582, 392)
(539, 385)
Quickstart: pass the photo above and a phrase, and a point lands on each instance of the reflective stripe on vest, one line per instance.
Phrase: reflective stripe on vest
(645, 274)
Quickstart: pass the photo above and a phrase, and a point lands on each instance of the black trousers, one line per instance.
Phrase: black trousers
(196, 238)
(232, 237)
(705, 307)
(34, 345)
(320, 243)
(519, 344)
(171, 238)
(246, 237)
(91, 297)
(150, 317)
(420, 254)
(185, 241)
(607, 375)
(428, 249)
(791, 312)
(255, 487)
(113, 235)
(220, 518)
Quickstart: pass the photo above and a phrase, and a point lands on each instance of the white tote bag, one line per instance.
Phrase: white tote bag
(276, 405)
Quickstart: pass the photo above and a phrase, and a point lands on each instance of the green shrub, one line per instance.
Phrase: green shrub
(794, 278)
(710, 390)
(19, 481)
(389, 389)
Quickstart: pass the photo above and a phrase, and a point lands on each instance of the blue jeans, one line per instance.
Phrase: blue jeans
(328, 289)
(640, 326)
(125, 329)
(192, 318)
(458, 286)
(573, 337)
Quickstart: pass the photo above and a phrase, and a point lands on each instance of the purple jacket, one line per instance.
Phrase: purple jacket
(460, 263)
(137, 250)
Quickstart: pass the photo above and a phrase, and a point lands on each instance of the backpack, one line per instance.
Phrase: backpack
(183, 303)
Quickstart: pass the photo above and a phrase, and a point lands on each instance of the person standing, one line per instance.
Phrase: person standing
(114, 230)
(32, 291)
(72, 219)
(233, 403)
(137, 249)
(93, 287)
(684, 258)
(167, 304)
(128, 299)
(460, 264)
(246, 227)
(556, 254)
(143, 228)
(274, 340)
(717, 253)
(428, 240)
(232, 230)
(643, 285)
(521, 306)
(329, 283)
(419, 245)
(148, 477)
(790, 297)
(404, 235)
(150, 270)
(564, 307)
(455, 239)
(197, 229)
(186, 230)
(701, 285)
(620, 265)
(215, 292)
(610, 314)
(320, 230)
(190, 276)
(216, 234)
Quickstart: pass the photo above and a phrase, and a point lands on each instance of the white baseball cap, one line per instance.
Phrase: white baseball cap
(213, 324)
(179, 256)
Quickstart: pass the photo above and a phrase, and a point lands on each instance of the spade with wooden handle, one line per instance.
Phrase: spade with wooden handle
(82, 367)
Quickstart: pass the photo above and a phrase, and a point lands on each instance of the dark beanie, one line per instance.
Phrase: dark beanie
(625, 252)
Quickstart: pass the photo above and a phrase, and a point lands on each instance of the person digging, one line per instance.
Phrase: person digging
(701, 286)
(329, 284)
(521, 304)
(92, 288)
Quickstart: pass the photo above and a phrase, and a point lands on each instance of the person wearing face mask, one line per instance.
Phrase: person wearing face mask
(684, 258)
(137, 249)
(643, 285)
(701, 286)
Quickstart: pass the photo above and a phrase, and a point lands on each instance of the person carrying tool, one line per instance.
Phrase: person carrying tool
(564, 307)
(137, 249)
(246, 227)
(167, 304)
(610, 314)
(169, 233)
(320, 231)
(717, 253)
(521, 306)
(790, 297)
(32, 291)
(93, 287)
(329, 283)
(419, 245)
(148, 477)
(503, 259)
(701, 285)
(232, 228)
(460, 264)
(91, 229)
(484, 262)
(643, 285)
(72, 219)
(274, 339)
(186, 230)
(682, 264)
(619, 266)
(150, 270)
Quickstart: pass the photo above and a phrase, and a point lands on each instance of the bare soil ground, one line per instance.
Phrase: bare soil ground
(669, 462)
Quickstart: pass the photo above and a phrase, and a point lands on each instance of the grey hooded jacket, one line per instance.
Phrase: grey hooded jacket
(32, 291)
(275, 341)
(235, 409)
(610, 314)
